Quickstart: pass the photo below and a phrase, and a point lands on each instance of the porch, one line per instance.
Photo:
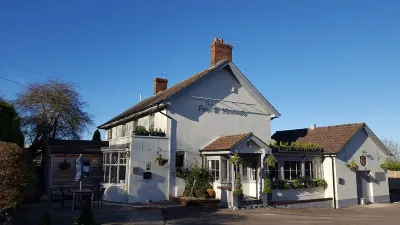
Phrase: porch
(296, 177)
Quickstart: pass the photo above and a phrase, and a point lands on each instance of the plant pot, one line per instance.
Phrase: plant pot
(267, 199)
(237, 201)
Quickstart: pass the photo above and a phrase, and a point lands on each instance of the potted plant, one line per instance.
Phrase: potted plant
(64, 165)
(237, 194)
(267, 192)
(352, 165)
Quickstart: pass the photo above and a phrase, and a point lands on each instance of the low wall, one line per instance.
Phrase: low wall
(179, 187)
(298, 194)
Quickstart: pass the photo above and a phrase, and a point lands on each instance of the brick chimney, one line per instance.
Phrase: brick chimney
(160, 84)
(220, 51)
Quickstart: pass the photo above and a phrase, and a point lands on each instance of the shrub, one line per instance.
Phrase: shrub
(17, 175)
(201, 193)
(211, 193)
(238, 185)
(267, 186)
(201, 175)
(85, 218)
(140, 130)
(321, 183)
(96, 136)
(45, 219)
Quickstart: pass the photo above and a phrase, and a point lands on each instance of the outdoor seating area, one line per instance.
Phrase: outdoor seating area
(76, 197)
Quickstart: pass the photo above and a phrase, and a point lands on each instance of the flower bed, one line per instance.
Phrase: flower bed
(186, 201)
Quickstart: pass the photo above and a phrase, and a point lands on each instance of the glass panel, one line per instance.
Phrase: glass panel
(114, 177)
(224, 168)
(217, 164)
(122, 172)
(122, 158)
(244, 175)
(114, 158)
(107, 155)
(107, 174)
(217, 175)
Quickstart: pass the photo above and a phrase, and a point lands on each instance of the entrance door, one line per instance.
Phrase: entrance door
(363, 185)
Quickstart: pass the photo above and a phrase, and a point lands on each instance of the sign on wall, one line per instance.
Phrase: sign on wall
(211, 108)
(363, 160)
(380, 176)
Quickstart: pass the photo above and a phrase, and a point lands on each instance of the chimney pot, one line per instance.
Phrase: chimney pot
(220, 51)
(160, 84)
(313, 126)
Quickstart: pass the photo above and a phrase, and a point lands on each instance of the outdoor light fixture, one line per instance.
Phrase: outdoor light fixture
(249, 144)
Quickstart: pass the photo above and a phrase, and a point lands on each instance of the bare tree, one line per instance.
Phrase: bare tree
(52, 110)
(393, 147)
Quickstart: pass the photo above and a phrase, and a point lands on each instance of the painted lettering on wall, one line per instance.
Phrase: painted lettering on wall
(211, 108)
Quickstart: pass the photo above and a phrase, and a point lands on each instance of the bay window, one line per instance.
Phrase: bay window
(114, 167)
(213, 165)
(295, 169)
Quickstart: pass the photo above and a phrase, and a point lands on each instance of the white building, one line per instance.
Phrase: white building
(207, 118)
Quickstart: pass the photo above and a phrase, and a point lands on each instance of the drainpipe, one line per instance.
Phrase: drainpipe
(333, 182)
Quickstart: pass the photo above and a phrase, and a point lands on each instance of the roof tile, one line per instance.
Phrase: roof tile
(163, 95)
(226, 142)
(331, 138)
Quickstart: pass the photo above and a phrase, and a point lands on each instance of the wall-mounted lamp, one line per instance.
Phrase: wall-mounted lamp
(249, 144)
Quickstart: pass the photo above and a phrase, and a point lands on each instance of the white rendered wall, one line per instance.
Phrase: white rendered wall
(347, 184)
(298, 194)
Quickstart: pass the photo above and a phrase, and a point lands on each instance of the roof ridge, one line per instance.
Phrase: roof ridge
(146, 103)
(329, 126)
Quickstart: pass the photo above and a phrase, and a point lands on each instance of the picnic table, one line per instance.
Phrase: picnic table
(80, 193)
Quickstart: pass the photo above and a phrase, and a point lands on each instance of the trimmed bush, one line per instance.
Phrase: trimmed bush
(17, 175)
(391, 165)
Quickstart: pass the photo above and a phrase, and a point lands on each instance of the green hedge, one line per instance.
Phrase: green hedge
(391, 165)
(295, 147)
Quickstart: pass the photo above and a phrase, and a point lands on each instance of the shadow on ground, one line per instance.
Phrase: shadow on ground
(200, 215)
(109, 214)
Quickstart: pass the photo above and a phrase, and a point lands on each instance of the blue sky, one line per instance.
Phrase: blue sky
(322, 62)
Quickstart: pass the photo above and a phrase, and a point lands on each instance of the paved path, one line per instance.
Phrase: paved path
(110, 214)
(380, 214)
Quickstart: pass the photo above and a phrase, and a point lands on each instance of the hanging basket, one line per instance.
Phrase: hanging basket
(65, 165)
(161, 161)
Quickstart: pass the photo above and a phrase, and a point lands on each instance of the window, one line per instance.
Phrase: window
(213, 165)
(253, 171)
(180, 159)
(151, 121)
(274, 172)
(245, 171)
(292, 169)
(224, 170)
(86, 170)
(114, 167)
(123, 130)
(109, 134)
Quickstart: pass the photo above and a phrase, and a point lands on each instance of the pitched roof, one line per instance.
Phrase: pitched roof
(227, 142)
(331, 138)
(164, 95)
(75, 146)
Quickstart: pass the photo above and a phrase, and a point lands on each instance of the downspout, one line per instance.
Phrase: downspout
(169, 132)
(333, 182)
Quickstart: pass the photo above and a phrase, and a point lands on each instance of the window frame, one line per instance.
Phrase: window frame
(315, 170)
(109, 164)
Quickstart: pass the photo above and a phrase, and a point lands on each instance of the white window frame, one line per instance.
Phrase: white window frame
(220, 169)
(118, 165)
(316, 171)
(217, 169)
(109, 134)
